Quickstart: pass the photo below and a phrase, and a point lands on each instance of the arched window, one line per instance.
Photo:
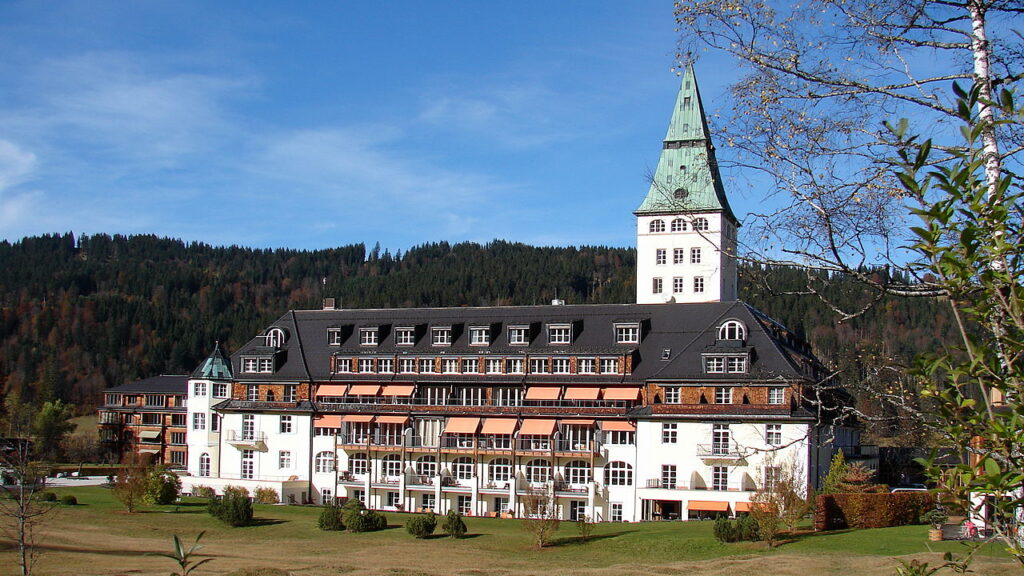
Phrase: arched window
(325, 461)
(732, 330)
(577, 472)
(275, 337)
(618, 474)
(426, 466)
(700, 224)
(657, 226)
(358, 463)
(462, 468)
(538, 470)
(391, 465)
(499, 470)
(204, 464)
(678, 225)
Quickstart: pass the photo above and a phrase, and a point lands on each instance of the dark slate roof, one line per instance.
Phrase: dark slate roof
(163, 384)
(687, 331)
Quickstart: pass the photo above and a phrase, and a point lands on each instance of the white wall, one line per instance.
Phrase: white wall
(717, 267)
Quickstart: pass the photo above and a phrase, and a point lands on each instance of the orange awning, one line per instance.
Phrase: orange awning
(499, 426)
(707, 506)
(462, 426)
(357, 418)
(743, 507)
(392, 419)
(617, 426)
(364, 390)
(331, 390)
(329, 421)
(582, 393)
(542, 393)
(537, 427)
(397, 390)
(578, 422)
(621, 393)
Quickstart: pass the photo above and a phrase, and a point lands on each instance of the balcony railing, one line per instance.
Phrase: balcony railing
(245, 438)
(719, 450)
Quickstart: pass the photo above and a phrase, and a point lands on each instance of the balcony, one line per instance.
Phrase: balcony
(246, 440)
(579, 446)
(719, 451)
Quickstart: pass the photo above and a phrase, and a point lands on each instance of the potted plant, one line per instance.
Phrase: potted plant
(936, 517)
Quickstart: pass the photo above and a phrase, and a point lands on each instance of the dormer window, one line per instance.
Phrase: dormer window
(275, 337)
(627, 333)
(405, 336)
(334, 336)
(479, 336)
(441, 336)
(518, 335)
(368, 336)
(559, 333)
(732, 330)
(736, 364)
(257, 365)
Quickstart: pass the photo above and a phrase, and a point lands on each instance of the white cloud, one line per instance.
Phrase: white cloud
(16, 165)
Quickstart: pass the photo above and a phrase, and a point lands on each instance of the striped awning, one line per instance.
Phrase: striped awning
(707, 506)
(363, 390)
(393, 419)
(499, 426)
(537, 427)
(578, 393)
(331, 390)
(404, 390)
(621, 393)
(462, 426)
(327, 421)
(543, 392)
(357, 418)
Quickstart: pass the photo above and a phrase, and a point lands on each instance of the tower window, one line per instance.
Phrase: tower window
(698, 284)
(677, 285)
(678, 225)
(678, 255)
(694, 255)
(700, 224)
(656, 286)
(660, 256)
(657, 226)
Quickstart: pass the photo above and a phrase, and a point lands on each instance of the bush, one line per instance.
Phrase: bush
(725, 530)
(162, 486)
(870, 510)
(453, 525)
(266, 496)
(357, 518)
(47, 496)
(234, 508)
(69, 500)
(421, 525)
(746, 528)
(331, 518)
(203, 492)
(742, 529)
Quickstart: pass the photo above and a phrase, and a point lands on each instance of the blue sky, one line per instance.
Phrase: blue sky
(321, 124)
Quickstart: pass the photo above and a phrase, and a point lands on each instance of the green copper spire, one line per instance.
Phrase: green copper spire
(215, 367)
(687, 178)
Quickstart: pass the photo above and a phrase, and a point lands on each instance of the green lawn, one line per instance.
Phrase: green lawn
(99, 532)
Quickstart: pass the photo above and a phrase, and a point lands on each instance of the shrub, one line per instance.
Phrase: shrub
(870, 510)
(203, 492)
(69, 500)
(453, 525)
(357, 518)
(585, 526)
(746, 528)
(234, 508)
(162, 486)
(266, 495)
(47, 496)
(725, 530)
(742, 529)
(330, 518)
(421, 525)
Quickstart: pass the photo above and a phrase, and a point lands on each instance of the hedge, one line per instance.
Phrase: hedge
(878, 510)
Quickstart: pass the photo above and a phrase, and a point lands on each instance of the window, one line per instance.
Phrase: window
(286, 425)
(407, 365)
(177, 437)
(441, 336)
(250, 365)
(470, 396)
(284, 459)
(176, 419)
(656, 285)
(687, 102)
(177, 457)
(450, 365)
(560, 366)
(215, 422)
(368, 336)
(334, 336)
(585, 365)
(700, 224)
(435, 395)
(672, 395)
(204, 464)
(342, 365)
(609, 365)
(324, 462)
(199, 421)
(694, 255)
(772, 475)
(391, 466)
(577, 472)
(719, 478)
(660, 256)
(720, 439)
(358, 463)
(669, 433)
(198, 390)
(698, 284)
(462, 468)
(714, 365)
(252, 393)
(405, 336)
(773, 434)
(275, 337)
(679, 256)
(153, 419)
(723, 395)
(248, 464)
(736, 364)
(479, 336)
(506, 396)
(518, 335)
(499, 470)
(776, 395)
(392, 500)
(538, 365)
(668, 476)
(428, 501)
(426, 466)
(515, 365)
(220, 390)
(621, 438)
(385, 365)
(616, 514)
(501, 504)
(248, 427)
(678, 285)
(471, 365)
(290, 393)
(366, 365)
(465, 504)
(627, 333)
(559, 334)
(538, 471)
(618, 474)
(426, 365)
(657, 226)
(326, 495)
(678, 225)
(493, 365)
(732, 330)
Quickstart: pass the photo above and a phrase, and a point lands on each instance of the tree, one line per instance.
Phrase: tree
(453, 525)
(542, 516)
(131, 481)
(51, 425)
(836, 472)
(971, 239)
(781, 499)
(162, 486)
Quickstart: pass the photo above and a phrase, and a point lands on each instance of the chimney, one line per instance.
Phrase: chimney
(329, 304)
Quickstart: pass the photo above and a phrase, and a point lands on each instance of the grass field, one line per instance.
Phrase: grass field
(97, 537)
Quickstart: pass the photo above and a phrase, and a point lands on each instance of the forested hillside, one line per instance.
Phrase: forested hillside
(78, 315)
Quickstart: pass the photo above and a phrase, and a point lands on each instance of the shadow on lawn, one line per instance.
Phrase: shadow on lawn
(441, 535)
(579, 540)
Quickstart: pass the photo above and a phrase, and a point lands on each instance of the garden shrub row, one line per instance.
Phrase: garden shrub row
(880, 510)
(739, 530)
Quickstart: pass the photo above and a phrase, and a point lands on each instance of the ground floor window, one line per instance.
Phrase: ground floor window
(393, 499)
(428, 501)
(326, 496)
(501, 505)
(577, 510)
(465, 504)
(178, 457)
(616, 512)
